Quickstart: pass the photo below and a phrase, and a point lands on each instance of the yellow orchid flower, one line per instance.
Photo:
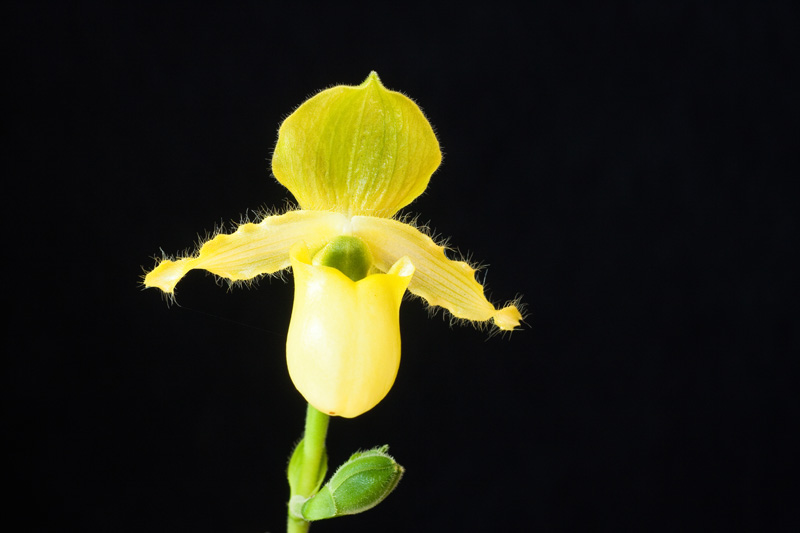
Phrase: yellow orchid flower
(352, 156)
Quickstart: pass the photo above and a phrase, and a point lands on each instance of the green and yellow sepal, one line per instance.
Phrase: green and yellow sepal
(356, 150)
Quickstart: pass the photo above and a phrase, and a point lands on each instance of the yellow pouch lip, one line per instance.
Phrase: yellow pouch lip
(343, 347)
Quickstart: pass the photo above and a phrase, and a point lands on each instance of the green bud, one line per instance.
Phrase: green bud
(350, 255)
(361, 483)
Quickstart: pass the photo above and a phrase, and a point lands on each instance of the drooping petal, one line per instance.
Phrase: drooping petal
(438, 280)
(343, 347)
(253, 249)
(362, 150)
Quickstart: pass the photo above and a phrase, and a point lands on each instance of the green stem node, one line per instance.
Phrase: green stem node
(308, 464)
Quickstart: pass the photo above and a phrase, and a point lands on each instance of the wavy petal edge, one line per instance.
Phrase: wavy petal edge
(253, 249)
(438, 280)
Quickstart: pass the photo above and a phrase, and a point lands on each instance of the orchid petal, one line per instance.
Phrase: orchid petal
(253, 249)
(438, 280)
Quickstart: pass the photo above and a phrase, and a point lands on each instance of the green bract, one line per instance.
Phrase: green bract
(296, 467)
(361, 483)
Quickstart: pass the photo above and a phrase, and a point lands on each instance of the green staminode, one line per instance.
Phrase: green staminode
(348, 254)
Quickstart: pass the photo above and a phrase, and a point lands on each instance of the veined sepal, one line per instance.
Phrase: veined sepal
(361, 483)
(362, 150)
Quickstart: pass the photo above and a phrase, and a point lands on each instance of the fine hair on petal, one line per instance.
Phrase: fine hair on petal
(480, 273)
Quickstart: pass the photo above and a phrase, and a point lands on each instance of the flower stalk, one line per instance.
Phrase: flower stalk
(312, 464)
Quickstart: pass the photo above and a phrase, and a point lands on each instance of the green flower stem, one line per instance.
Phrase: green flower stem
(313, 450)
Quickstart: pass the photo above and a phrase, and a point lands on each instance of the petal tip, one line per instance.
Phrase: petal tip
(508, 318)
(166, 275)
(372, 77)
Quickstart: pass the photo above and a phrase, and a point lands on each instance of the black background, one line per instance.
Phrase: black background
(629, 168)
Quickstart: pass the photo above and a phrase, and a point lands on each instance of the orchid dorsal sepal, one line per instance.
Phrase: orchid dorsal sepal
(356, 150)
(361, 483)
